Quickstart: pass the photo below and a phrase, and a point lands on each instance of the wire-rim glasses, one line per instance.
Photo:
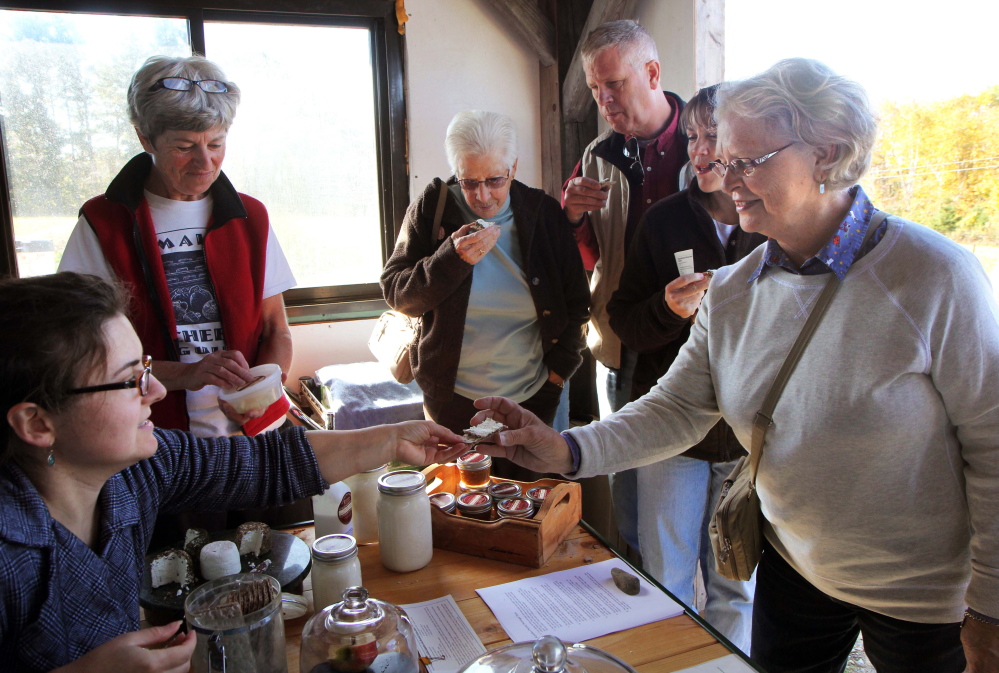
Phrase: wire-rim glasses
(743, 167)
(141, 381)
(490, 183)
(185, 84)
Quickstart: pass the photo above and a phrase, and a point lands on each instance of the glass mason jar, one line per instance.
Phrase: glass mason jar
(405, 535)
(476, 505)
(443, 500)
(335, 567)
(364, 500)
(359, 634)
(474, 469)
(504, 489)
(515, 508)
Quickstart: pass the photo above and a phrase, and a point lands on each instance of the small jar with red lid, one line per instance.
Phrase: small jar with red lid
(475, 504)
(500, 490)
(474, 469)
(537, 495)
(444, 501)
(515, 508)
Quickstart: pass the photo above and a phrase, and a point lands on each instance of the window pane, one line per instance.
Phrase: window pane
(63, 82)
(304, 142)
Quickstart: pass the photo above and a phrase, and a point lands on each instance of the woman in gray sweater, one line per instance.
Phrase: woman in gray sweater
(880, 474)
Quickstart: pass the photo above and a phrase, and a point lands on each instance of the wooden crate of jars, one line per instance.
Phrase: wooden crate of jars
(524, 541)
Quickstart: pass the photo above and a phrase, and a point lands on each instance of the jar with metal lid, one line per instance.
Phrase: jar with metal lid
(504, 489)
(537, 495)
(476, 505)
(405, 534)
(335, 567)
(474, 469)
(359, 634)
(515, 508)
(444, 501)
(548, 654)
(364, 500)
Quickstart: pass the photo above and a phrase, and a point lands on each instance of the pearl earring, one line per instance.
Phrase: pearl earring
(822, 188)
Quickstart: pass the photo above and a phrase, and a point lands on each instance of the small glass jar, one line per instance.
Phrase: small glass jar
(537, 495)
(405, 534)
(335, 567)
(504, 489)
(515, 508)
(476, 505)
(474, 469)
(364, 500)
(444, 501)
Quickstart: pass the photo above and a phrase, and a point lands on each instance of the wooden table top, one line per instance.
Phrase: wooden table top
(660, 647)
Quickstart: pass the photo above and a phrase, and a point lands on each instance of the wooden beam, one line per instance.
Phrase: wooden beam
(576, 96)
(551, 132)
(709, 42)
(525, 19)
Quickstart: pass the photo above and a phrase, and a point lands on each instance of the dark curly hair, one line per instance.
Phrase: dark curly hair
(51, 340)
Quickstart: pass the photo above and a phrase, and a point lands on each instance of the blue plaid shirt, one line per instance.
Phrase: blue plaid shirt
(842, 250)
(59, 599)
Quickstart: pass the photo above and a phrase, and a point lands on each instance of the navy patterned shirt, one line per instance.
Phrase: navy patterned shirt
(842, 250)
(59, 598)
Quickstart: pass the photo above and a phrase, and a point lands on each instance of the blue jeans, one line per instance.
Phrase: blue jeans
(561, 422)
(676, 498)
(613, 392)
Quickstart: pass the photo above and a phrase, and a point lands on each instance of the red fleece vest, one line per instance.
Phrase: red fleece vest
(235, 253)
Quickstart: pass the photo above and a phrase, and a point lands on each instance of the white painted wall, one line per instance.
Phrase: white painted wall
(671, 24)
(458, 57)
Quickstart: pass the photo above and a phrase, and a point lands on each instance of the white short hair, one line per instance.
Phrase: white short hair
(632, 41)
(478, 133)
(155, 111)
(807, 102)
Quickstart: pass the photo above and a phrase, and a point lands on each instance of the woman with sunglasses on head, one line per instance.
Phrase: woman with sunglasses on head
(503, 307)
(84, 471)
(879, 473)
(651, 312)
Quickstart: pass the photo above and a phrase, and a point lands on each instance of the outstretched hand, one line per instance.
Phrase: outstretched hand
(528, 441)
(425, 442)
(156, 650)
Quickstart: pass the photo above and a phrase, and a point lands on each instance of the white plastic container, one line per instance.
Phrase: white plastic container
(333, 511)
(405, 536)
(335, 567)
(364, 503)
(265, 390)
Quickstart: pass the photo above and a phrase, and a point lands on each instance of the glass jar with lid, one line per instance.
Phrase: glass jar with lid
(548, 654)
(405, 534)
(503, 489)
(476, 505)
(474, 469)
(443, 500)
(515, 508)
(364, 501)
(359, 634)
(537, 495)
(335, 567)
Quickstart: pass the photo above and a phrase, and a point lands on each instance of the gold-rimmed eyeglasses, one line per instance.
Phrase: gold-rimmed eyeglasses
(141, 381)
(490, 183)
(743, 167)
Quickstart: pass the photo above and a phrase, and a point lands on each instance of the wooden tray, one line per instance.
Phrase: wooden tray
(528, 542)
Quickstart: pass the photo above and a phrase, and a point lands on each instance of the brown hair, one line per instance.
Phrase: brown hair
(700, 109)
(51, 339)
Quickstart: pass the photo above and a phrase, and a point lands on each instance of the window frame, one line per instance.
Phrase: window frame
(312, 304)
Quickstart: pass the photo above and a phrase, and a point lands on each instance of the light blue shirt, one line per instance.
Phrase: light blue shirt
(501, 347)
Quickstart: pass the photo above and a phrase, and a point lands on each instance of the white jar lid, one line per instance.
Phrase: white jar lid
(336, 547)
(402, 482)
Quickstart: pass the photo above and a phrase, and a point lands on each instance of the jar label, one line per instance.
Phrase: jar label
(344, 511)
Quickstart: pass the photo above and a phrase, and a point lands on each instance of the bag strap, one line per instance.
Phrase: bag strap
(435, 232)
(764, 417)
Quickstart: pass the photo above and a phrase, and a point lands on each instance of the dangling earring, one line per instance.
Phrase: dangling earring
(51, 459)
(822, 188)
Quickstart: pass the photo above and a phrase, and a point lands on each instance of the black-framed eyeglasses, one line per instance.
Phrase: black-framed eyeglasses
(141, 381)
(743, 167)
(185, 84)
(490, 183)
(631, 151)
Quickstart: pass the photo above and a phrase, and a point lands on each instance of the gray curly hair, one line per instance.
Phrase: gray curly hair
(806, 101)
(155, 111)
(478, 133)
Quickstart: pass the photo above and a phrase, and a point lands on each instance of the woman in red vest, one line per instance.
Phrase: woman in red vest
(203, 266)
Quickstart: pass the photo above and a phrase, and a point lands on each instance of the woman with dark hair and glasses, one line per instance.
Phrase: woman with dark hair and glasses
(879, 476)
(84, 471)
(203, 266)
(503, 307)
(651, 312)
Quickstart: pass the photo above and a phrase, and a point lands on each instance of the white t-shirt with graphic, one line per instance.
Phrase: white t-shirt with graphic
(180, 231)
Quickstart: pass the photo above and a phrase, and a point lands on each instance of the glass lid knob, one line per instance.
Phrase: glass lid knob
(549, 655)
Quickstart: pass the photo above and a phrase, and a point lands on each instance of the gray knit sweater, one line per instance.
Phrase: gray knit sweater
(880, 474)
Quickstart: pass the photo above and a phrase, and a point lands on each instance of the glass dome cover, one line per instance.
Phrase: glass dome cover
(548, 654)
(359, 635)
